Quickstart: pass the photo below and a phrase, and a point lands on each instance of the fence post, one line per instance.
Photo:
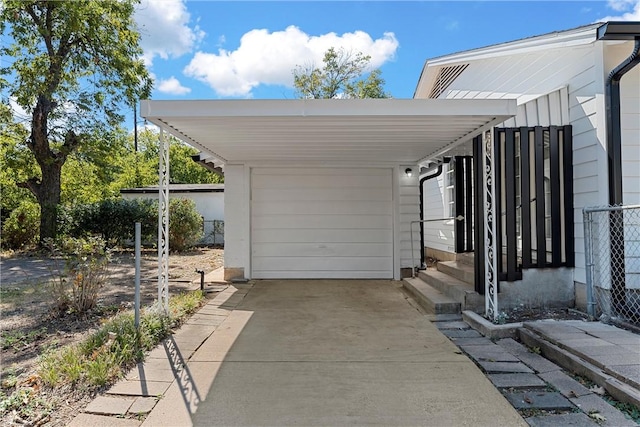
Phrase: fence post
(588, 260)
(136, 298)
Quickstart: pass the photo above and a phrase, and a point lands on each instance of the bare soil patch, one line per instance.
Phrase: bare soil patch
(29, 325)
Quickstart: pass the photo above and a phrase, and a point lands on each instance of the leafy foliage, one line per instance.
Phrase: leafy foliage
(16, 165)
(75, 65)
(185, 224)
(21, 228)
(113, 219)
(340, 77)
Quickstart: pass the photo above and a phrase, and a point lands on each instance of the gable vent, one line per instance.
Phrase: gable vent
(446, 76)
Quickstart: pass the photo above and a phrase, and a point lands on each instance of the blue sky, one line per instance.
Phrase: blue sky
(214, 49)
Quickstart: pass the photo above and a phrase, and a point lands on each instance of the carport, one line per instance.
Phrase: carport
(320, 188)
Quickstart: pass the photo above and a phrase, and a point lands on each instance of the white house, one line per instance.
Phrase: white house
(560, 83)
(331, 188)
(208, 198)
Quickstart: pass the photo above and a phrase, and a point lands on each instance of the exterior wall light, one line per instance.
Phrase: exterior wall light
(408, 172)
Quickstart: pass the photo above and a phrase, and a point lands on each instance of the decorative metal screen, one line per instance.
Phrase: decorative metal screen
(612, 255)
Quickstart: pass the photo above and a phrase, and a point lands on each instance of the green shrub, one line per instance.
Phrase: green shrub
(22, 228)
(114, 219)
(185, 224)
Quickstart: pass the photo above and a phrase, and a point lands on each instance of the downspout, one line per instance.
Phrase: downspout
(614, 132)
(614, 157)
(422, 181)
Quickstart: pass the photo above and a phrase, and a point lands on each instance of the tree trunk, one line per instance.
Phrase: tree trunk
(47, 189)
(48, 195)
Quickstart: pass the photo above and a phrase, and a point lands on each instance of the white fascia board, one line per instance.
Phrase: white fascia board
(161, 112)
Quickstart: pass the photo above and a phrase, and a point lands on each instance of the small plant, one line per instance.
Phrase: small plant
(632, 411)
(25, 402)
(17, 340)
(9, 377)
(86, 269)
(501, 318)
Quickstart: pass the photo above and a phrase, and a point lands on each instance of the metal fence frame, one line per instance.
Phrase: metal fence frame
(612, 261)
(213, 232)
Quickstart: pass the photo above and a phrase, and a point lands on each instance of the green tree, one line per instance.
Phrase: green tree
(16, 165)
(74, 65)
(341, 76)
(182, 168)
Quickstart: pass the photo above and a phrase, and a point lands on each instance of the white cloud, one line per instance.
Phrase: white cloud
(269, 58)
(620, 5)
(631, 9)
(172, 86)
(165, 30)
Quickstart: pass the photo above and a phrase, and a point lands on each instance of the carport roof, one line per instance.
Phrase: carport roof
(357, 131)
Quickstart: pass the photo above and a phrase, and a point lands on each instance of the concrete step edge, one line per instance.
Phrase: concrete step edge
(459, 270)
(455, 289)
(573, 363)
(429, 298)
(466, 258)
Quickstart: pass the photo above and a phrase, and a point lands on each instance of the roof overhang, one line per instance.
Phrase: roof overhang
(354, 131)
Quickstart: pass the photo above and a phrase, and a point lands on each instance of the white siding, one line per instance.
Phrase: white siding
(547, 110)
(437, 234)
(409, 210)
(322, 223)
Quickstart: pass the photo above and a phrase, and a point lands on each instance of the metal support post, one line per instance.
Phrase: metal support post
(163, 224)
(491, 266)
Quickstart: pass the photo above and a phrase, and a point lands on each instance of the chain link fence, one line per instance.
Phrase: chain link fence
(612, 255)
(213, 232)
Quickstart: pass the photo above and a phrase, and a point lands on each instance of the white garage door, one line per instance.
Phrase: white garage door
(321, 223)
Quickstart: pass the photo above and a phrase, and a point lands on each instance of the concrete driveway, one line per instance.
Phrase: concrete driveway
(330, 352)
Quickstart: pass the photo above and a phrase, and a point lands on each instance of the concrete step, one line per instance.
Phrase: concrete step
(458, 269)
(430, 299)
(457, 290)
(466, 258)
